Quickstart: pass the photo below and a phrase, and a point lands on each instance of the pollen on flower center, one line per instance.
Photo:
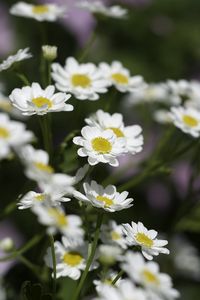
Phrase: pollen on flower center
(144, 240)
(105, 200)
(120, 78)
(81, 80)
(40, 197)
(41, 102)
(115, 236)
(72, 258)
(150, 277)
(117, 131)
(44, 167)
(190, 121)
(59, 216)
(101, 145)
(40, 9)
(4, 133)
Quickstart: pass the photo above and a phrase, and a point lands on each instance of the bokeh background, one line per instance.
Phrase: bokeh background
(160, 39)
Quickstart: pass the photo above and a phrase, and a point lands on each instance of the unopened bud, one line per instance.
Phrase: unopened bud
(49, 52)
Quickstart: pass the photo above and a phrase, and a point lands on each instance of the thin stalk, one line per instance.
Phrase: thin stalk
(118, 276)
(23, 78)
(46, 133)
(90, 257)
(53, 254)
(29, 265)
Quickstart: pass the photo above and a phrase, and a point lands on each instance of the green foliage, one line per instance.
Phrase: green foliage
(31, 291)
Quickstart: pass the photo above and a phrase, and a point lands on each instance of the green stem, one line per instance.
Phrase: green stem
(49, 73)
(87, 47)
(35, 240)
(53, 254)
(23, 78)
(118, 276)
(90, 257)
(29, 265)
(46, 133)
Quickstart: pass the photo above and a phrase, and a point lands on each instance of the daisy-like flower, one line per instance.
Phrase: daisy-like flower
(34, 100)
(49, 52)
(21, 54)
(7, 107)
(106, 198)
(99, 146)
(32, 198)
(186, 119)
(125, 291)
(131, 134)
(138, 235)
(113, 234)
(42, 12)
(147, 274)
(110, 276)
(109, 254)
(13, 135)
(70, 260)
(120, 77)
(98, 7)
(178, 91)
(84, 81)
(57, 221)
(162, 116)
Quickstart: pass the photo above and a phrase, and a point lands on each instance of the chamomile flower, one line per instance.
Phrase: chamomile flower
(125, 291)
(7, 107)
(187, 120)
(113, 234)
(32, 198)
(98, 7)
(120, 77)
(21, 54)
(49, 52)
(99, 146)
(147, 274)
(13, 136)
(33, 99)
(84, 81)
(138, 235)
(57, 221)
(162, 116)
(178, 91)
(131, 134)
(70, 260)
(42, 12)
(106, 198)
(109, 254)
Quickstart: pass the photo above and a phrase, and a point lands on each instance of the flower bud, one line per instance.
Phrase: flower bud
(49, 52)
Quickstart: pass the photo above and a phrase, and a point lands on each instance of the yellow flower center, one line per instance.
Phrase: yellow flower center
(117, 131)
(72, 258)
(81, 80)
(60, 217)
(4, 133)
(108, 281)
(42, 102)
(144, 240)
(150, 277)
(40, 9)
(101, 145)
(5, 105)
(108, 202)
(120, 78)
(44, 167)
(40, 197)
(190, 121)
(115, 236)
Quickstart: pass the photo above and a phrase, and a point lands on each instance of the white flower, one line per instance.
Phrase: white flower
(138, 235)
(147, 274)
(186, 119)
(21, 54)
(70, 261)
(49, 52)
(178, 91)
(110, 276)
(99, 146)
(7, 107)
(13, 135)
(106, 198)
(125, 291)
(84, 81)
(113, 234)
(109, 254)
(57, 221)
(131, 134)
(120, 77)
(34, 100)
(98, 7)
(162, 116)
(154, 92)
(32, 198)
(41, 12)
